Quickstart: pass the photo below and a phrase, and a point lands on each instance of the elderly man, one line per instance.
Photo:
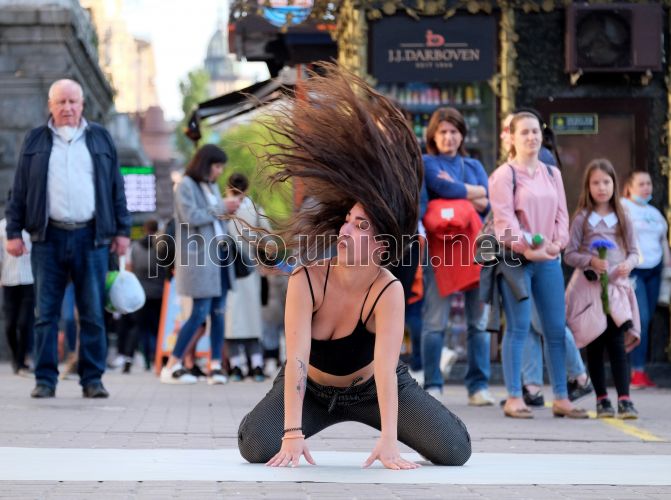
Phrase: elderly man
(69, 195)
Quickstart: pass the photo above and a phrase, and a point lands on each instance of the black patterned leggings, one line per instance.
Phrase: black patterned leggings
(424, 424)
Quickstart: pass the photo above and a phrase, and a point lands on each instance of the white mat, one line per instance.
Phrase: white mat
(61, 464)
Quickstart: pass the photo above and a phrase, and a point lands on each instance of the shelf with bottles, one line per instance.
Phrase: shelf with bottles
(422, 97)
(475, 101)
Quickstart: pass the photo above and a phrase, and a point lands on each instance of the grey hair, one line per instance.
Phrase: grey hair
(62, 81)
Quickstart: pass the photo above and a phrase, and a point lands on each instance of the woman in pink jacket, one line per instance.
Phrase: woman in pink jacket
(530, 217)
(601, 307)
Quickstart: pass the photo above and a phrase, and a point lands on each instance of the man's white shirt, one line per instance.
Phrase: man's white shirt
(70, 182)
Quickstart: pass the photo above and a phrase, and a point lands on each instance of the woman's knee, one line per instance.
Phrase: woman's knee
(255, 446)
(457, 450)
(454, 451)
(441, 436)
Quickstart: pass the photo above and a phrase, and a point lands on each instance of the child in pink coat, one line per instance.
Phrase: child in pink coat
(601, 307)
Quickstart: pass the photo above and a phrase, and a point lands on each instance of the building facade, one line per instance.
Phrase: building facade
(598, 72)
(127, 61)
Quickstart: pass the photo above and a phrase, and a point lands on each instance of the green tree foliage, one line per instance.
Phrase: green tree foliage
(194, 91)
(245, 145)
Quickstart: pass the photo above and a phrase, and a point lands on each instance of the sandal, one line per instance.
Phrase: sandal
(518, 413)
(575, 412)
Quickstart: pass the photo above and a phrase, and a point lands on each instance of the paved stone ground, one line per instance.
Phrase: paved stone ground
(142, 413)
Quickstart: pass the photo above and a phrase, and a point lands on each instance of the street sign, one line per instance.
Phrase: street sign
(574, 123)
(140, 188)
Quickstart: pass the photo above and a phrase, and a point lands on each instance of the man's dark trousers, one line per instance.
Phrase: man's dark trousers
(63, 254)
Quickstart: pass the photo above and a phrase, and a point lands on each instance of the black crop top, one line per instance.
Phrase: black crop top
(348, 354)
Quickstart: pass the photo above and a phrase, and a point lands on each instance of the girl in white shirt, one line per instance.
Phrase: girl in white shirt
(651, 236)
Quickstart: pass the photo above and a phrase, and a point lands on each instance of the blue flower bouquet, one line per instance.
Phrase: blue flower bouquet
(602, 247)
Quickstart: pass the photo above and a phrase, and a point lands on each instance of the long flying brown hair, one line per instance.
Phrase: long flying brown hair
(586, 203)
(346, 143)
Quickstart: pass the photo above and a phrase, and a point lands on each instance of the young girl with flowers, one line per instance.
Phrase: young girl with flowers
(601, 307)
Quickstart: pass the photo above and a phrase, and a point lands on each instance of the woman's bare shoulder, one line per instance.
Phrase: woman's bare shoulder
(311, 276)
(384, 283)
(316, 269)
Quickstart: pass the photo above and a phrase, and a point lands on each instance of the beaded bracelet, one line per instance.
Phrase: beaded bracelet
(291, 429)
(297, 436)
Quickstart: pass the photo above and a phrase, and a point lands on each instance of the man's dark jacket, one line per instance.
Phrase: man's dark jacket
(27, 207)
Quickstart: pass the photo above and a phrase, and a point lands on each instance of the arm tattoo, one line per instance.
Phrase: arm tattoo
(302, 378)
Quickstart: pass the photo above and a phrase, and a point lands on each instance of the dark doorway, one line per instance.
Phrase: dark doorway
(620, 134)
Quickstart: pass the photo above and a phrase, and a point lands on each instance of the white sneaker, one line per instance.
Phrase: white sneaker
(217, 377)
(117, 362)
(436, 392)
(447, 359)
(481, 398)
(177, 376)
(272, 367)
(25, 373)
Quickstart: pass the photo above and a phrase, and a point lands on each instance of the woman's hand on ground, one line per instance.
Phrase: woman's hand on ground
(386, 451)
(290, 454)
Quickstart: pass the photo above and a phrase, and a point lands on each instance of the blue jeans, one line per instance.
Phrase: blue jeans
(68, 318)
(435, 316)
(532, 360)
(647, 293)
(546, 284)
(70, 254)
(215, 307)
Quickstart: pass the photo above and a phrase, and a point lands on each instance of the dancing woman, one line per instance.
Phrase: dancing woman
(362, 168)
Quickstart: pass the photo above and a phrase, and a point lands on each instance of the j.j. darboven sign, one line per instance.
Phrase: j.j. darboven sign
(461, 48)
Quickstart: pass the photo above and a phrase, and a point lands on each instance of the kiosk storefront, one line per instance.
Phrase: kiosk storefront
(433, 62)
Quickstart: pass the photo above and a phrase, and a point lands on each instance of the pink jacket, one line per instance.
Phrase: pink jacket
(538, 206)
(584, 312)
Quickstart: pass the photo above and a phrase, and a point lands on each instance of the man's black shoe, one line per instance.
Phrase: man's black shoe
(535, 399)
(95, 390)
(43, 391)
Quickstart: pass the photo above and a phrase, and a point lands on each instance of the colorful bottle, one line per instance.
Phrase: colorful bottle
(476, 94)
(468, 94)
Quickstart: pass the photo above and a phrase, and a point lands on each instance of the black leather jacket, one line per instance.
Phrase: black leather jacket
(27, 207)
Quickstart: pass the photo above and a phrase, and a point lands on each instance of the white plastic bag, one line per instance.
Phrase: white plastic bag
(665, 288)
(123, 292)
